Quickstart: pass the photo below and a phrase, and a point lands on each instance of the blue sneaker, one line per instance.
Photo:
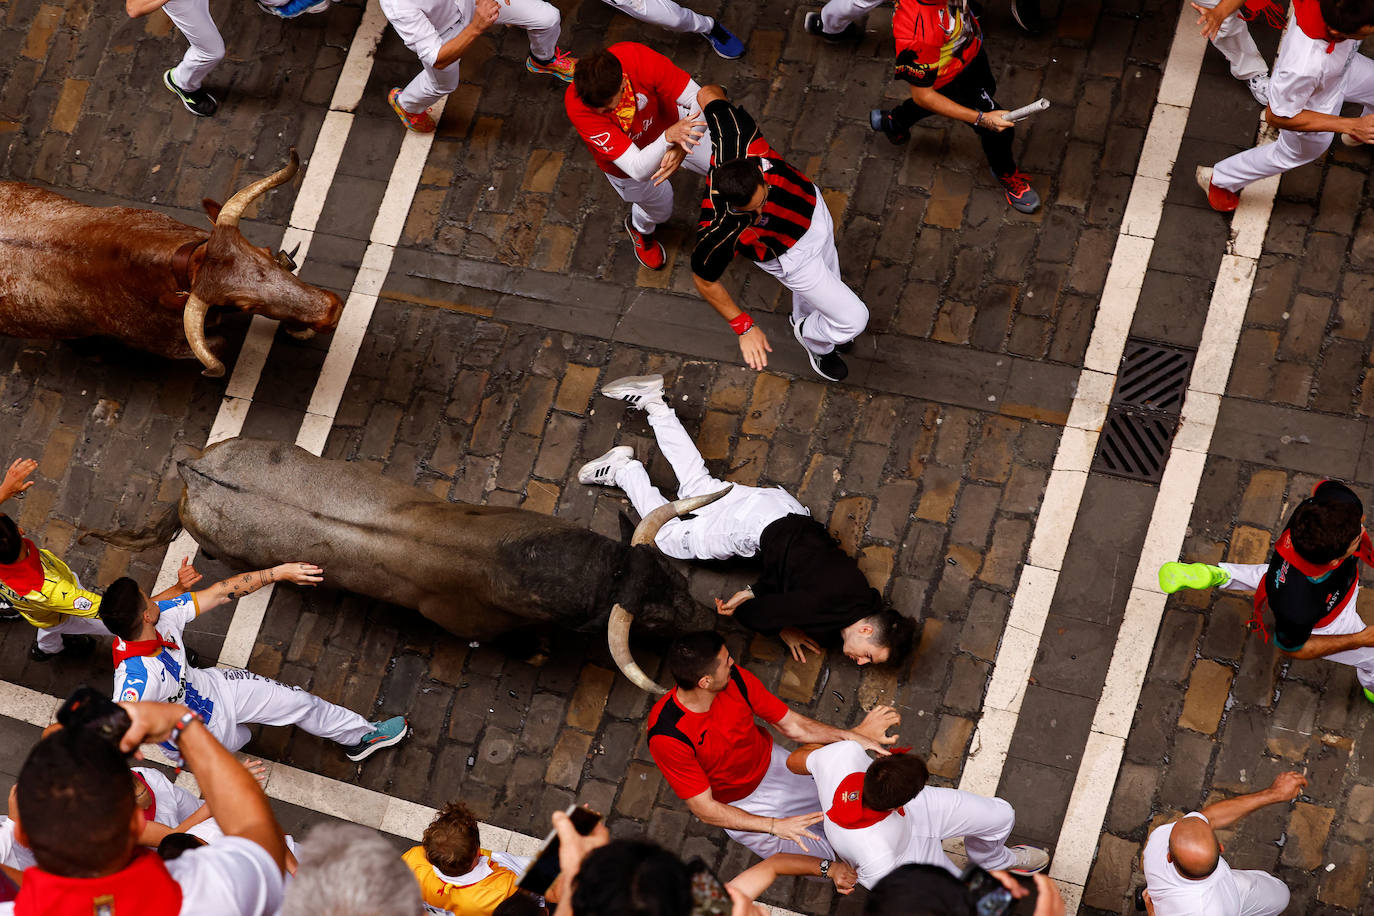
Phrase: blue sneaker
(383, 734)
(724, 42)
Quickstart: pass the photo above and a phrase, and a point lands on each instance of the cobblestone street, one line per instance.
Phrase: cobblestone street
(513, 294)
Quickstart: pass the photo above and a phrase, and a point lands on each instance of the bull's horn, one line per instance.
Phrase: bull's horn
(618, 628)
(648, 527)
(193, 320)
(233, 208)
(618, 637)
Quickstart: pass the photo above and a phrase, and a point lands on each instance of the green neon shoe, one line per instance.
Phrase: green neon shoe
(1369, 695)
(1174, 576)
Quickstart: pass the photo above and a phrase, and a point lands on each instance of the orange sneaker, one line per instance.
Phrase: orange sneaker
(648, 250)
(1220, 199)
(561, 66)
(421, 123)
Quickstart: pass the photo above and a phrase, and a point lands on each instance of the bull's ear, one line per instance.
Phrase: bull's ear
(627, 528)
(211, 207)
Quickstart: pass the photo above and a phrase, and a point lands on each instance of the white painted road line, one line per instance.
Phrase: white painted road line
(1164, 538)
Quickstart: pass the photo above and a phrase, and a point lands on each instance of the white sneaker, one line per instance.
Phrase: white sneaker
(636, 390)
(1204, 177)
(1259, 88)
(603, 470)
(1351, 141)
(1029, 860)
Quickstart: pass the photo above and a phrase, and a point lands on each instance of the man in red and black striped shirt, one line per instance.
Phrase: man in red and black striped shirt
(761, 207)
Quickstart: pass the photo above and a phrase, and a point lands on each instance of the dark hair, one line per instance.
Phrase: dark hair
(692, 656)
(918, 890)
(596, 81)
(121, 607)
(519, 903)
(75, 784)
(11, 541)
(893, 781)
(1348, 16)
(174, 844)
(736, 181)
(632, 878)
(895, 631)
(1324, 524)
(450, 840)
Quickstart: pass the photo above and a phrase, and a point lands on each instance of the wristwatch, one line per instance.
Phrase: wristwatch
(825, 868)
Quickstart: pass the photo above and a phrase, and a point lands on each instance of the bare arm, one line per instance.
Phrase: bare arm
(236, 587)
(1322, 646)
(484, 17)
(186, 577)
(232, 794)
(1285, 788)
(796, 761)
(753, 343)
(1361, 128)
(871, 733)
(1211, 19)
(16, 478)
(137, 8)
(719, 814)
(932, 99)
(760, 876)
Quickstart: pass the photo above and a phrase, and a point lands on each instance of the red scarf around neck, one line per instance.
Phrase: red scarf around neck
(142, 888)
(136, 648)
(24, 575)
(1308, 14)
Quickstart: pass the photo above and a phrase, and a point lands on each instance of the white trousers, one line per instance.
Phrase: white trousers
(1234, 42)
(838, 14)
(1261, 894)
(50, 638)
(651, 204)
(192, 18)
(945, 814)
(829, 312)
(729, 527)
(1295, 148)
(254, 699)
(1247, 578)
(664, 14)
(782, 793)
(539, 19)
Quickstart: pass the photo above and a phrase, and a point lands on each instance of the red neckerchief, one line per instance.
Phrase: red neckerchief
(136, 648)
(142, 888)
(150, 812)
(26, 575)
(1308, 14)
(1271, 11)
(848, 809)
(626, 106)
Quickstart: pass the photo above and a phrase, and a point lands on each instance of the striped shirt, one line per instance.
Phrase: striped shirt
(787, 210)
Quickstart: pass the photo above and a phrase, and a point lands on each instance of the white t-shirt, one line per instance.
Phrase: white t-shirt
(425, 25)
(1175, 895)
(172, 803)
(235, 877)
(12, 852)
(1306, 77)
(166, 677)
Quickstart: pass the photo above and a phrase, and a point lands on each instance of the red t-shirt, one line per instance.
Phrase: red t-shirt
(657, 82)
(722, 749)
(935, 40)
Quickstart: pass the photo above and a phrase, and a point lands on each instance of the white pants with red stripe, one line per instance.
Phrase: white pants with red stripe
(782, 793)
(729, 527)
(652, 205)
(1234, 42)
(541, 20)
(665, 14)
(1247, 577)
(828, 310)
(50, 638)
(192, 19)
(256, 700)
(1296, 148)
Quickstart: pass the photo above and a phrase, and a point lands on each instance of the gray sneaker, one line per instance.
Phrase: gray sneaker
(1029, 860)
(636, 390)
(602, 470)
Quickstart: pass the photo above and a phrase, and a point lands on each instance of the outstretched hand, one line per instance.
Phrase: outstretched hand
(16, 478)
(298, 573)
(798, 642)
(872, 731)
(794, 828)
(728, 607)
(187, 575)
(1209, 19)
(1288, 786)
(753, 343)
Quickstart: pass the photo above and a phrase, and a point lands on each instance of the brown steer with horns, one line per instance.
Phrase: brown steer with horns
(68, 270)
(477, 571)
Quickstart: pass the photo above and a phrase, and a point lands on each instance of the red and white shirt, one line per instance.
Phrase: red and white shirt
(935, 40)
(643, 112)
(722, 749)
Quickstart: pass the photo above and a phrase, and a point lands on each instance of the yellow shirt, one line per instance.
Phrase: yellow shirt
(476, 893)
(60, 594)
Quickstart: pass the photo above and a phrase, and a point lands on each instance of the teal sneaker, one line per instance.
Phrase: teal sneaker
(383, 734)
(1174, 576)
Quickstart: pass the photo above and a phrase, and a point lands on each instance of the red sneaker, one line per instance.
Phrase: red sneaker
(420, 122)
(649, 252)
(1220, 199)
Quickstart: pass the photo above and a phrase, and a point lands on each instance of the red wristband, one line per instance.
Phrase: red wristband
(741, 323)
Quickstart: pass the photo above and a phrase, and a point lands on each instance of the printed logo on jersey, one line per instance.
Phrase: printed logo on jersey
(130, 695)
(601, 139)
(82, 604)
(1282, 574)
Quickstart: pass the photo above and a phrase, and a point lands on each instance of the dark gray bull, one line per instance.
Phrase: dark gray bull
(477, 571)
(68, 270)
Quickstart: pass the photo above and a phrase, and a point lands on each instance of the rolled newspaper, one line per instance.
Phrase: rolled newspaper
(1027, 111)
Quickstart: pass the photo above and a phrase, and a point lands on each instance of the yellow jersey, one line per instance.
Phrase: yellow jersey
(476, 893)
(61, 593)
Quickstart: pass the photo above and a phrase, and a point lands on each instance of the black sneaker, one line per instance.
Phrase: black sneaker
(827, 365)
(72, 647)
(844, 347)
(813, 25)
(880, 119)
(199, 102)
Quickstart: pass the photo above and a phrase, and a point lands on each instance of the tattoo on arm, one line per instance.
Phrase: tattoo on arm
(247, 583)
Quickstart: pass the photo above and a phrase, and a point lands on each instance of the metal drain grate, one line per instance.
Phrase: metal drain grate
(1143, 415)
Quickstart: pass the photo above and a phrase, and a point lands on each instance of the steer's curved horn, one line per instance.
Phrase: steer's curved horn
(618, 628)
(193, 320)
(233, 208)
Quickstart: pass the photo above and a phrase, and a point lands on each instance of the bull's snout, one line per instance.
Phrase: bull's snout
(333, 312)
